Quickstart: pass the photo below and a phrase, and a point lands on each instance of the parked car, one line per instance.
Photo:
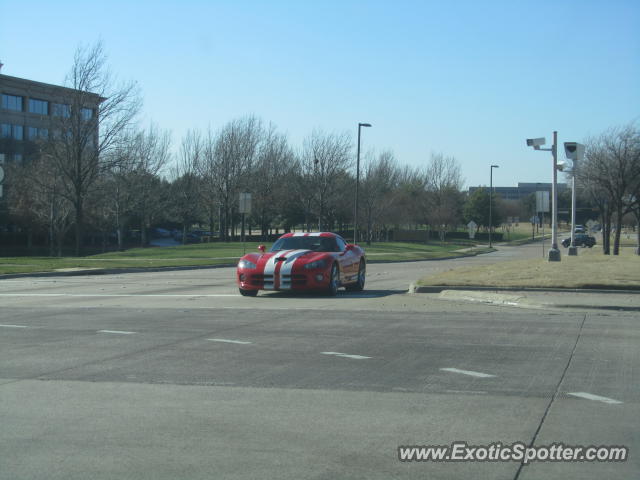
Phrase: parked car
(319, 261)
(581, 240)
(579, 229)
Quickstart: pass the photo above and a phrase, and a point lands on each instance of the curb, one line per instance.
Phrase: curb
(518, 297)
(439, 288)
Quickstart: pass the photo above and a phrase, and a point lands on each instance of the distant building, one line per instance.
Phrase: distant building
(28, 111)
(522, 190)
(32, 113)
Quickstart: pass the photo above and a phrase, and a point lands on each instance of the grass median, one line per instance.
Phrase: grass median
(590, 269)
(204, 254)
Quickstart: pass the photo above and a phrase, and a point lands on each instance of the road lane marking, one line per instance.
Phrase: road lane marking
(468, 372)
(225, 340)
(112, 295)
(345, 355)
(597, 398)
(120, 332)
(15, 326)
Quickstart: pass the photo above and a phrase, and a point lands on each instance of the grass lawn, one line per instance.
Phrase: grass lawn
(590, 269)
(213, 254)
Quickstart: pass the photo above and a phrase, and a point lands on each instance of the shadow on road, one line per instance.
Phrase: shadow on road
(344, 295)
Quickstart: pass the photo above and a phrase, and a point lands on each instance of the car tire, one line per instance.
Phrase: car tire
(334, 281)
(358, 286)
(248, 293)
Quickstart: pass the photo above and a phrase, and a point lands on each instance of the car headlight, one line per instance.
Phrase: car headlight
(316, 264)
(246, 264)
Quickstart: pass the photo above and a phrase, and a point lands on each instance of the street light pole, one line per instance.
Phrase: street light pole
(355, 213)
(491, 201)
(574, 152)
(554, 253)
(573, 250)
(536, 143)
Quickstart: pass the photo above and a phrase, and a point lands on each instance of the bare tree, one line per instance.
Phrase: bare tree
(267, 180)
(234, 154)
(378, 183)
(443, 199)
(611, 173)
(324, 158)
(186, 183)
(36, 195)
(86, 130)
(207, 169)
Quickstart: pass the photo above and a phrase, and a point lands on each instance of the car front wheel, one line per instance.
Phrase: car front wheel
(333, 281)
(248, 293)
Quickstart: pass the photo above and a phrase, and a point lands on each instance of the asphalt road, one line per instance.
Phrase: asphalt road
(174, 375)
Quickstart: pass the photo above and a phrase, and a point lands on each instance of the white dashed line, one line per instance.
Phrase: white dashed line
(345, 355)
(224, 340)
(119, 332)
(597, 398)
(14, 326)
(468, 372)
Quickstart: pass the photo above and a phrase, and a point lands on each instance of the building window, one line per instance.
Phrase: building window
(61, 110)
(11, 102)
(17, 157)
(11, 131)
(37, 133)
(86, 113)
(38, 106)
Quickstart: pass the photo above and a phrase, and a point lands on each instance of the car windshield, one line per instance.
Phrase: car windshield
(317, 244)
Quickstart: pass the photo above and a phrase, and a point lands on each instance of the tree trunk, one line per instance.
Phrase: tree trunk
(637, 213)
(79, 224)
(606, 233)
(616, 241)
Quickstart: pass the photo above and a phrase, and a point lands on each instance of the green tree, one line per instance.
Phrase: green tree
(476, 208)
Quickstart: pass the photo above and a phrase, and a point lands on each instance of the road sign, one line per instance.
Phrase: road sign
(244, 205)
(535, 220)
(542, 201)
(472, 226)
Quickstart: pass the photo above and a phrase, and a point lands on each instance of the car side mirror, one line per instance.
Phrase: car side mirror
(349, 247)
(262, 248)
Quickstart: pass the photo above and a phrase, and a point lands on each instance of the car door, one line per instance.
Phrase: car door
(349, 261)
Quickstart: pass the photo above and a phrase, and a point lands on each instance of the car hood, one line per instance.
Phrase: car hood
(305, 256)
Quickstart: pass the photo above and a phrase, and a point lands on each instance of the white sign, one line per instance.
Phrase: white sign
(535, 219)
(472, 226)
(542, 201)
(245, 203)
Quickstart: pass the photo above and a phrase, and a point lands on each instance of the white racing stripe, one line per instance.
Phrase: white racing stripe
(345, 355)
(225, 340)
(270, 269)
(597, 398)
(119, 332)
(468, 372)
(287, 266)
(314, 234)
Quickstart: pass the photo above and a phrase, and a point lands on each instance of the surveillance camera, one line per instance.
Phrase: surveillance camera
(536, 142)
(574, 151)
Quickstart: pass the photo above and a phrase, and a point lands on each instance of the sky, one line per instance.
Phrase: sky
(468, 79)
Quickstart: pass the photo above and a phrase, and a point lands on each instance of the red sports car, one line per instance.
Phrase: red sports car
(303, 262)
